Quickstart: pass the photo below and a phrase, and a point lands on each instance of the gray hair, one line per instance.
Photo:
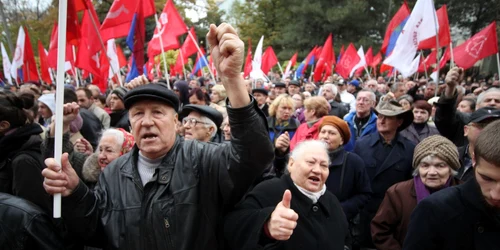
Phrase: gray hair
(373, 97)
(208, 124)
(480, 98)
(428, 158)
(299, 150)
(332, 87)
(115, 133)
(396, 86)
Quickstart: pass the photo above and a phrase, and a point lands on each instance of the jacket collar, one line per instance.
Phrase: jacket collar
(337, 157)
(377, 138)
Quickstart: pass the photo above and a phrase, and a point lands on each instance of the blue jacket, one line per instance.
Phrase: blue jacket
(369, 128)
(397, 167)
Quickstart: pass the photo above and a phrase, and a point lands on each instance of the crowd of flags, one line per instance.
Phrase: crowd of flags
(91, 49)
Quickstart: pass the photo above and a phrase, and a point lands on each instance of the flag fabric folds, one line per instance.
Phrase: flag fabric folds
(362, 61)
(269, 59)
(428, 62)
(394, 29)
(256, 72)
(443, 33)
(6, 65)
(290, 64)
(248, 61)
(420, 25)
(325, 60)
(377, 59)
(135, 41)
(30, 70)
(349, 59)
(479, 46)
(44, 66)
(18, 58)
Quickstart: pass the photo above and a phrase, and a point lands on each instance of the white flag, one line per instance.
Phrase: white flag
(17, 60)
(256, 72)
(114, 65)
(420, 25)
(6, 65)
(361, 63)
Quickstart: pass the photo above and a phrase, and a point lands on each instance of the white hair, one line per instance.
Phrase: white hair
(208, 123)
(429, 158)
(481, 96)
(299, 150)
(332, 87)
(117, 134)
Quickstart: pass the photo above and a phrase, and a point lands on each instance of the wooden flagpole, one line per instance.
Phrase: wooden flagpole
(167, 75)
(203, 58)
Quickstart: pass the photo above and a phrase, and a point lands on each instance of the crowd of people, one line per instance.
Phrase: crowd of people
(364, 163)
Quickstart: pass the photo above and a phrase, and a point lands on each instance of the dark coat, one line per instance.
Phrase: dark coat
(24, 226)
(91, 127)
(183, 206)
(21, 166)
(119, 119)
(356, 189)
(338, 110)
(396, 168)
(320, 226)
(390, 224)
(450, 122)
(464, 158)
(455, 218)
(276, 131)
(411, 133)
(265, 109)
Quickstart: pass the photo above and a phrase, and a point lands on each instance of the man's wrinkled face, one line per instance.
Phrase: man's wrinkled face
(153, 126)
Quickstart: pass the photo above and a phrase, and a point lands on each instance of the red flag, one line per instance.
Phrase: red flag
(269, 59)
(189, 46)
(102, 81)
(376, 60)
(309, 60)
(317, 52)
(120, 15)
(29, 66)
(44, 67)
(369, 56)
(89, 45)
(170, 27)
(122, 61)
(325, 61)
(72, 26)
(349, 59)
(81, 4)
(428, 61)
(149, 68)
(395, 22)
(248, 61)
(446, 57)
(211, 66)
(479, 46)
(53, 48)
(443, 34)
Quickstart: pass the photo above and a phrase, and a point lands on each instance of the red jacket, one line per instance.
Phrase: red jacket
(304, 132)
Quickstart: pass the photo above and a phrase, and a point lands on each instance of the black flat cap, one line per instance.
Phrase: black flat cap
(294, 82)
(204, 110)
(483, 114)
(157, 92)
(260, 90)
(279, 85)
(120, 92)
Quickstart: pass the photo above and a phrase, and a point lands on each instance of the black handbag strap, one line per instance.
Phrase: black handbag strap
(342, 171)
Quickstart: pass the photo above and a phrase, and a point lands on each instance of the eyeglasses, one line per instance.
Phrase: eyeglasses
(192, 121)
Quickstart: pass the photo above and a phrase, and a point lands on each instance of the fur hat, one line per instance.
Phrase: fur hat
(438, 146)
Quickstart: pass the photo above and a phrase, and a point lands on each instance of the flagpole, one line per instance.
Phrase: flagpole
(203, 58)
(425, 69)
(498, 64)
(77, 73)
(281, 69)
(182, 61)
(437, 47)
(61, 41)
(102, 45)
(452, 62)
(369, 76)
(167, 75)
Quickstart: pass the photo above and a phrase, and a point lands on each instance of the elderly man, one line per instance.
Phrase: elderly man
(279, 88)
(329, 92)
(201, 123)
(362, 121)
(388, 159)
(86, 101)
(346, 97)
(260, 95)
(398, 89)
(465, 216)
(168, 193)
(448, 120)
(293, 87)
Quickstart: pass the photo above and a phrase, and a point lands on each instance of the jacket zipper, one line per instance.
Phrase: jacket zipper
(167, 228)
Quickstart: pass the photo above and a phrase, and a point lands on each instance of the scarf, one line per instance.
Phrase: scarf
(422, 191)
(314, 196)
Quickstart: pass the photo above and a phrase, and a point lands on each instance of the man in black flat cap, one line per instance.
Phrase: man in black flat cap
(170, 193)
(279, 88)
(260, 95)
(201, 123)
(293, 87)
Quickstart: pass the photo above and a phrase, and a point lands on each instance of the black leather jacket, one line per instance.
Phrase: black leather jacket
(23, 225)
(184, 207)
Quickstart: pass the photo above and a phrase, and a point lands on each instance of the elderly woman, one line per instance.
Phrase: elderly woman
(201, 123)
(406, 101)
(280, 118)
(218, 95)
(314, 109)
(420, 129)
(348, 179)
(435, 161)
(113, 144)
(292, 212)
